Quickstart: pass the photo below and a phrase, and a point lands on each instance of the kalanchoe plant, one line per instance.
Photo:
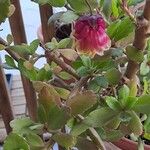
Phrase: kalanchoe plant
(85, 98)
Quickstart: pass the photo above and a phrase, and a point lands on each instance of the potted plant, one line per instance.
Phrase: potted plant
(108, 97)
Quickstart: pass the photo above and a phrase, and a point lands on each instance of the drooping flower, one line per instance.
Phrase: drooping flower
(90, 36)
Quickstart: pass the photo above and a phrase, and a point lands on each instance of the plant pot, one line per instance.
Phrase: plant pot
(126, 144)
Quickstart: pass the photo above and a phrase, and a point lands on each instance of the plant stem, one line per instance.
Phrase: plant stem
(140, 39)
(60, 62)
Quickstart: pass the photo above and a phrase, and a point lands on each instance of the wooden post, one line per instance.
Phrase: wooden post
(5, 101)
(18, 32)
(48, 30)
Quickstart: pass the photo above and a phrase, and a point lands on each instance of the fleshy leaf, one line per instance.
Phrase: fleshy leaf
(100, 117)
(14, 142)
(65, 140)
(81, 102)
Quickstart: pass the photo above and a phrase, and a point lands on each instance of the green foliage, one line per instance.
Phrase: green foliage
(120, 29)
(103, 102)
(97, 83)
(10, 62)
(65, 140)
(24, 50)
(2, 47)
(100, 117)
(35, 142)
(78, 129)
(142, 105)
(134, 54)
(113, 103)
(113, 76)
(54, 44)
(81, 102)
(55, 3)
(68, 17)
(4, 9)
(57, 117)
(14, 141)
(109, 135)
(82, 6)
(9, 39)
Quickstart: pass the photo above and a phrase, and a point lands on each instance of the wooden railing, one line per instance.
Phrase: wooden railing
(18, 32)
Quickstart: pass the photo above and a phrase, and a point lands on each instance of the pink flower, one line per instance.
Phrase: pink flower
(90, 36)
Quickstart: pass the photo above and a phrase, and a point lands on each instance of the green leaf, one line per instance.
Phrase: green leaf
(81, 102)
(33, 46)
(55, 3)
(124, 28)
(43, 75)
(78, 129)
(125, 116)
(10, 39)
(48, 96)
(69, 54)
(123, 92)
(117, 52)
(134, 54)
(129, 102)
(110, 135)
(10, 62)
(81, 5)
(65, 140)
(2, 47)
(55, 17)
(135, 124)
(41, 113)
(107, 8)
(68, 17)
(143, 104)
(114, 7)
(63, 43)
(83, 71)
(86, 61)
(112, 28)
(113, 123)
(4, 9)
(29, 72)
(57, 117)
(22, 50)
(64, 75)
(14, 142)
(100, 117)
(147, 125)
(64, 94)
(21, 124)
(52, 45)
(113, 76)
(144, 68)
(34, 141)
(104, 64)
(113, 103)
(97, 83)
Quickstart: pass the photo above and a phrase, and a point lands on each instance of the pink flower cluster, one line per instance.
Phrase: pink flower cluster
(90, 36)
